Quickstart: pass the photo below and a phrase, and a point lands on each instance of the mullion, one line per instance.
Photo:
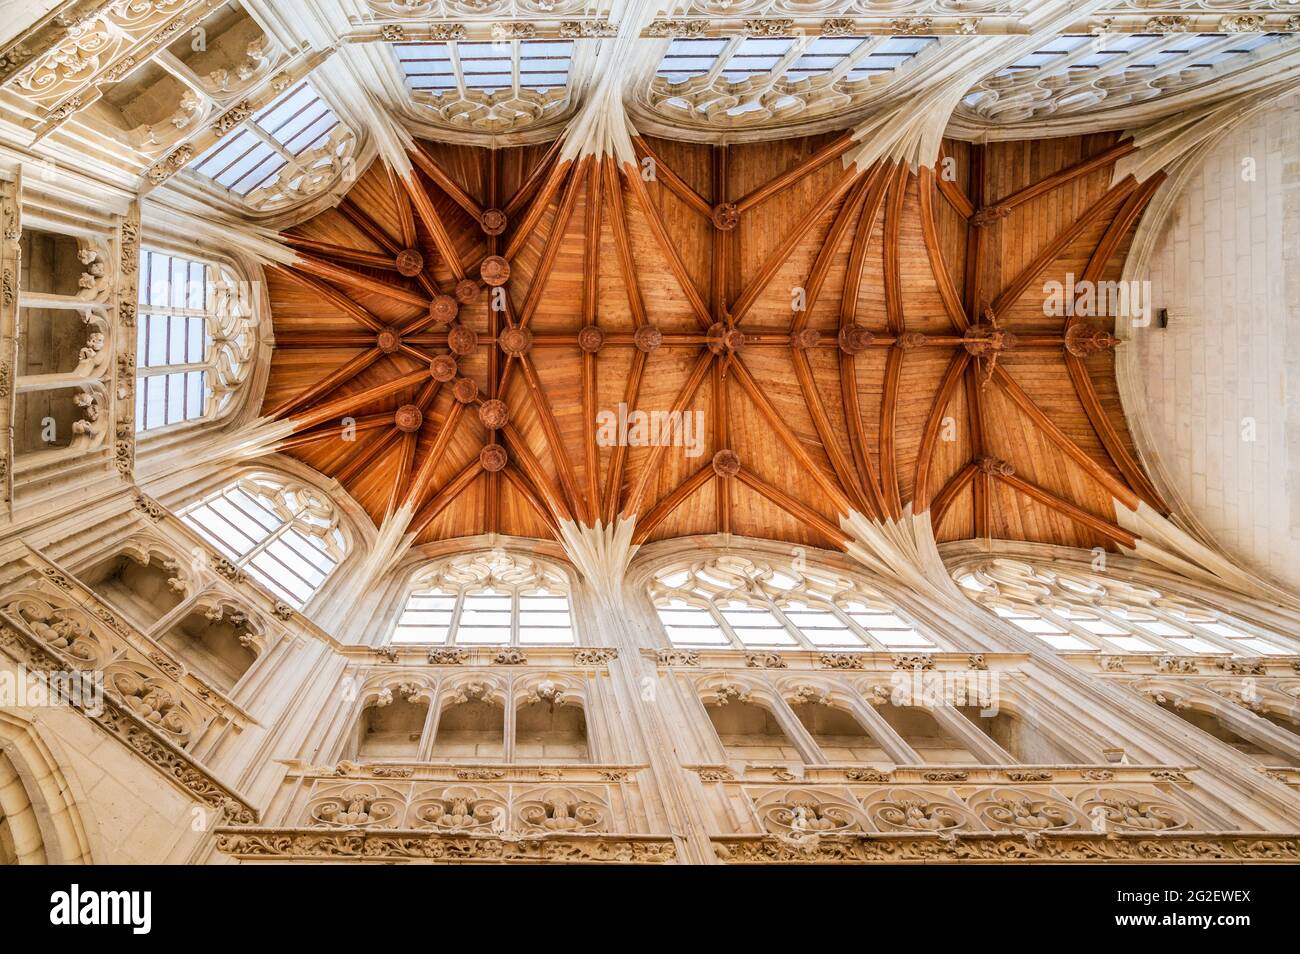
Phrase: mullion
(268, 555)
(857, 629)
(230, 165)
(324, 134)
(234, 186)
(453, 629)
(800, 639)
(1094, 640)
(288, 119)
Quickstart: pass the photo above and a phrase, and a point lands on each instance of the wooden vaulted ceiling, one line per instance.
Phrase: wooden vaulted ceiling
(1025, 441)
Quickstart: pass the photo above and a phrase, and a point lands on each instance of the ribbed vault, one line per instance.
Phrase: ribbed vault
(859, 341)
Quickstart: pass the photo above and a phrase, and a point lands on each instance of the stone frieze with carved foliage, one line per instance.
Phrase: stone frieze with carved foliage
(286, 844)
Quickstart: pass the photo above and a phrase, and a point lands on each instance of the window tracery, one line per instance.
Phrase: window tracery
(1076, 73)
(752, 80)
(292, 148)
(736, 602)
(1077, 611)
(488, 599)
(489, 85)
(194, 339)
(285, 534)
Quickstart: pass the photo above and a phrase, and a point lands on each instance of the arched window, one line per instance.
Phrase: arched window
(768, 78)
(286, 535)
(493, 85)
(1073, 610)
(1076, 73)
(194, 339)
(487, 66)
(488, 599)
(290, 149)
(735, 602)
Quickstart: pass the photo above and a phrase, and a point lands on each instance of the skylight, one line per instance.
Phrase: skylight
(251, 157)
(486, 66)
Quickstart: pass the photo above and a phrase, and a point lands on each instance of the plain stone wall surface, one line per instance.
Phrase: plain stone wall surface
(1227, 268)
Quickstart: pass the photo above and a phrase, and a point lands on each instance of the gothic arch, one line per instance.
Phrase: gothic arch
(320, 510)
(37, 800)
(1021, 578)
(808, 599)
(167, 448)
(535, 594)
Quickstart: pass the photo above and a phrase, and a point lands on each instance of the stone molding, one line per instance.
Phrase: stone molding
(286, 844)
(1183, 847)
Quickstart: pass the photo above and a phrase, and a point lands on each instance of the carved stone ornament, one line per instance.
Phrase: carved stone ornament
(999, 847)
(716, 775)
(765, 661)
(676, 657)
(1243, 667)
(447, 657)
(447, 31)
(1168, 24)
(582, 847)
(176, 160)
(677, 28)
(232, 118)
(1177, 664)
(227, 569)
(148, 506)
(595, 657)
(1242, 23)
(868, 775)
(582, 29)
(912, 26)
(510, 657)
(842, 661)
(772, 27)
